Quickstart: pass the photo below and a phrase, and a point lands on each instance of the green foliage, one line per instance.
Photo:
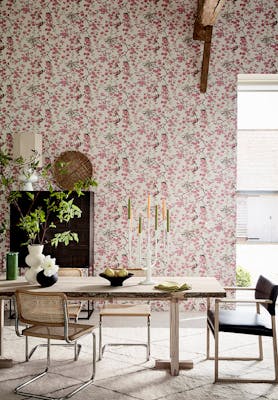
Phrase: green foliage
(39, 221)
(32, 224)
(243, 277)
(4, 158)
(64, 237)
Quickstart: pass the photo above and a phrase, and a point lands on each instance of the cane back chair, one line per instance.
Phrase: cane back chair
(46, 316)
(74, 309)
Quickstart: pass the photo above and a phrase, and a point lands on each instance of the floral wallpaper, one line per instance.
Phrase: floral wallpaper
(119, 81)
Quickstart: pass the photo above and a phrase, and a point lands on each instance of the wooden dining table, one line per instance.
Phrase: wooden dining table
(97, 288)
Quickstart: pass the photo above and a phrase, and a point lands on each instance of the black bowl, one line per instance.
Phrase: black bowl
(116, 280)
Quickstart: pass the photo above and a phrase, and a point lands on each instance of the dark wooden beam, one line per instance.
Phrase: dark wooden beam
(206, 57)
(207, 13)
(210, 11)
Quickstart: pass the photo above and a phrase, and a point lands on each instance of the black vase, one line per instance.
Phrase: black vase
(46, 281)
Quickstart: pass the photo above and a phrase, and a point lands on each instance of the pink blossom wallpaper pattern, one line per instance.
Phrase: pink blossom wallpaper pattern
(119, 81)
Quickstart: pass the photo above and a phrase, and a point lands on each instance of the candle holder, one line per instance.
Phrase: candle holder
(150, 265)
(139, 260)
(160, 230)
(130, 244)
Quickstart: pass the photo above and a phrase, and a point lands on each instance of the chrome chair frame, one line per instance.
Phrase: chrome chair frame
(70, 272)
(136, 272)
(147, 345)
(18, 390)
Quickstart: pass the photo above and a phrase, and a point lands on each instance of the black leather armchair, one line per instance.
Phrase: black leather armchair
(245, 321)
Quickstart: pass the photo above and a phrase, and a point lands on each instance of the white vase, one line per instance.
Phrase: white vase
(34, 260)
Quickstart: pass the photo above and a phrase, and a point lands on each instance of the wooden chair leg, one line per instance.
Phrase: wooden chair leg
(275, 354)
(232, 380)
(26, 349)
(208, 342)
(100, 338)
(216, 342)
(261, 354)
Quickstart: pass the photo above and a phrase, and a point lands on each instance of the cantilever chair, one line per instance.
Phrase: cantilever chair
(46, 315)
(122, 311)
(256, 321)
(74, 309)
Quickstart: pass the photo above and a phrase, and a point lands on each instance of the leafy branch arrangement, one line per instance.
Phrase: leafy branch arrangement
(38, 221)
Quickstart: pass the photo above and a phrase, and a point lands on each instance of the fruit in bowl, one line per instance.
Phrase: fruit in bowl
(122, 272)
(109, 272)
(116, 276)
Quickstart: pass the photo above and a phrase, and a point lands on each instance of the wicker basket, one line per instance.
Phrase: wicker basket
(71, 167)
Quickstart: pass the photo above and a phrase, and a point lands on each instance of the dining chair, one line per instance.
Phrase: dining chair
(46, 315)
(259, 321)
(123, 311)
(74, 309)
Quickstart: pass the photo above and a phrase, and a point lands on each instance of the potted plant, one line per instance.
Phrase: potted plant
(38, 219)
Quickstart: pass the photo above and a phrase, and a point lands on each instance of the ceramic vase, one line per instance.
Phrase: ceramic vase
(46, 281)
(34, 260)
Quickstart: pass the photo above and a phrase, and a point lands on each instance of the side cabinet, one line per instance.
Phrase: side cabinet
(79, 254)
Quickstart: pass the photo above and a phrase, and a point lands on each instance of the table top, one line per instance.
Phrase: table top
(99, 288)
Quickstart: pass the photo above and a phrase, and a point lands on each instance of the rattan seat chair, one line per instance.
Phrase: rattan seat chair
(123, 311)
(256, 321)
(46, 316)
(74, 309)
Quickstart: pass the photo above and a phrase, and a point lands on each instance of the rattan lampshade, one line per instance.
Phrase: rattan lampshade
(71, 167)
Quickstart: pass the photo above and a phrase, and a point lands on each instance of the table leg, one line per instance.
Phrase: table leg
(1, 325)
(174, 364)
(174, 336)
(4, 362)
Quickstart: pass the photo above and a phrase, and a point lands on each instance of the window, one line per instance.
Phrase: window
(257, 158)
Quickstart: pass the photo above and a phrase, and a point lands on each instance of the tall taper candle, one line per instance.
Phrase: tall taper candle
(168, 221)
(163, 209)
(140, 225)
(129, 208)
(139, 261)
(149, 207)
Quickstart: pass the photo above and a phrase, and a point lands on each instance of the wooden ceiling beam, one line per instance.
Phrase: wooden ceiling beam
(210, 11)
(207, 13)
(206, 57)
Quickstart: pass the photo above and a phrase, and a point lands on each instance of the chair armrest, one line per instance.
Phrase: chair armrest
(239, 288)
(260, 301)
